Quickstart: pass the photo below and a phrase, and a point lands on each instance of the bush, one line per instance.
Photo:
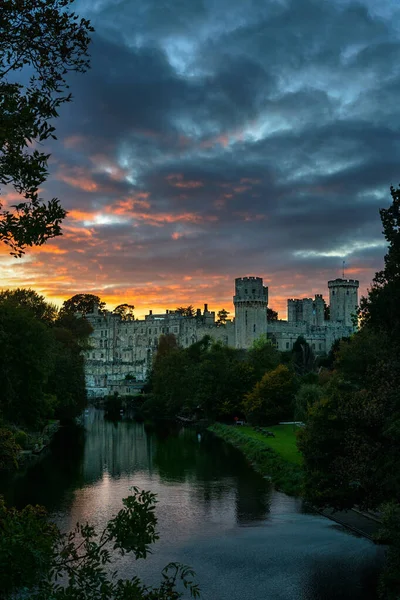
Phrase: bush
(21, 438)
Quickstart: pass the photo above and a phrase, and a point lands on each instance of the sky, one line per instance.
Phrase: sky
(215, 139)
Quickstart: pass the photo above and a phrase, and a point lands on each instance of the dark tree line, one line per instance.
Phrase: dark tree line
(351, 444)
(41, 362)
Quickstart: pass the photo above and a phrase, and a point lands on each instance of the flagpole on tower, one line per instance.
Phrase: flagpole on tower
(343, 269)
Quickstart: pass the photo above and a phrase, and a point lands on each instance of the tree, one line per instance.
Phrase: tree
(125, 311)
(186, 311)
(272, 314)
(82, 303)
(262, 357)
(26, 361)
(35, 555)
(32, 301)
(307, 395)
(9, 450)
(271, 398)
(380, 308)
(222, 316)
(302, 356)
(43, 39)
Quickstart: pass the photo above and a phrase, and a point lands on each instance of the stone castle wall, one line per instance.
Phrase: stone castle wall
(122, 350)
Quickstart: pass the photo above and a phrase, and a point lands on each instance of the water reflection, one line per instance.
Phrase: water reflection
(244, 539)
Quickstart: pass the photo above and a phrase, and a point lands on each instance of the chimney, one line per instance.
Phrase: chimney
(198, 312)
(150, 312)
(206, 308)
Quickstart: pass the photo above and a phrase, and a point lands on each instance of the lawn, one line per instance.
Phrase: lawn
(284, 442)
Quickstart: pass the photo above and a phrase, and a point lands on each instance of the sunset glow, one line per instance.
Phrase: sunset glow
(199, 149)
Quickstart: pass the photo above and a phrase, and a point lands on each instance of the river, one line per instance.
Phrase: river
(245, 540)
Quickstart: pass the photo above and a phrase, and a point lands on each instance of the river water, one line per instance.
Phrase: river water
(245, 540)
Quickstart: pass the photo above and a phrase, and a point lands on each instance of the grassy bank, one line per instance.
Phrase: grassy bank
(276, 457)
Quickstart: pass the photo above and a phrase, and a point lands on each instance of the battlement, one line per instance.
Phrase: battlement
(343, 283)
(247, 279)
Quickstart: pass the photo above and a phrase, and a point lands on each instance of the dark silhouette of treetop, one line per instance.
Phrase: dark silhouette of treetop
(82, 303)
(41, 41)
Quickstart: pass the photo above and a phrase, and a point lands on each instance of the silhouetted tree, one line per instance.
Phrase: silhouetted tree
(45, 40)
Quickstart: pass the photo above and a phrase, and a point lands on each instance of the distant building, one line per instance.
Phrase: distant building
(122, 350)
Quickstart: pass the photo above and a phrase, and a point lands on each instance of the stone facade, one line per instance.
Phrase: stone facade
(122, 350)
(251, 302)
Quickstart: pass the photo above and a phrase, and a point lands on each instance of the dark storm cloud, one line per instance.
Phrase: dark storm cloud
(227, 137)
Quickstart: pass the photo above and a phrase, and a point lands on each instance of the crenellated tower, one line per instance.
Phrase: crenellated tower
(251, 302)
(343, 300)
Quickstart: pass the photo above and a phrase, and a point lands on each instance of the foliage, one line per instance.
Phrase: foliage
(31, 300)
(9, 450)
(380, 308)
(207, 379)
(222, 316)
(262, 357)
(186, 311)
(389, 585)
(307, 395)
(272, 315)
(37, 556)
(285, 475)
(271, 399)
(41, 42)
(82, 303)
(26, 360)
(26, 547)
(125, 311)
(303, 358)
(41, 360)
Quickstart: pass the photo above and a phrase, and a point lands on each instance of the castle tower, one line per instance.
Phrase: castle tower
(319, 310)
(251, 302)
(343, 300)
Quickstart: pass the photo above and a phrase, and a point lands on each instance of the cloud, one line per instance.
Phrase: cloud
(212, 140)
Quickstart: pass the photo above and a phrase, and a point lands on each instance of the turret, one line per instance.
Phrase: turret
(343, 300)
(251, 302)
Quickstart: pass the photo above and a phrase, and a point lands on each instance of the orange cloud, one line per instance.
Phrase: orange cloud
(177, 180)
(77, 177)
(128, 204)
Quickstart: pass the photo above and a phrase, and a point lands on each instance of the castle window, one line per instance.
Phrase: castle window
(93, 355)
(105, 343)
(287, 345)
(245, 291)
(333, 292)
(149, 331)
(101, 355)
(105, 333)
(101, 343)
(254, 328)
(348, 293)
(155, 331)
(253, 291)
(101, 333)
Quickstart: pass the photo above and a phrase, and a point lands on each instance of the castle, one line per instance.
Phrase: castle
(122, 350)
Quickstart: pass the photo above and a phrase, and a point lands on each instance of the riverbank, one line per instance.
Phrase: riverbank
(278, 458)
(33, 443)
(274, 457)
